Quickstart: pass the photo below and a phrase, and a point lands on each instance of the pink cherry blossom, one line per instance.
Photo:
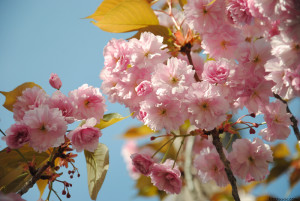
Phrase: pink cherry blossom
(278, 122)
(206, 106)
(223, 42)
(148, 50)
(64, 104)
(30, 99)
(238, 12)
(197, 61)
(86, 136)
(117, 55)
(250, 159)
(203, 16)
(55, 81)
(144, 88)
(47, 127)
(142, 162)
(216, 72)
(88, 102)
(173, 78)
(17, 135)
(162, 113)
(201, 144)
(166, 178)
(210, 166)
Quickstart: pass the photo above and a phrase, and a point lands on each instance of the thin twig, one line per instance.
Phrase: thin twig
(217, 143)
(188, 54)
(2, 132)
(162, 147)
(23, 157)
(166, 154)
(292, 118)
(56, 194)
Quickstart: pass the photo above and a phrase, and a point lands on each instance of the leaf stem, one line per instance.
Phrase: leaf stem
(230, 141)
(292, 118)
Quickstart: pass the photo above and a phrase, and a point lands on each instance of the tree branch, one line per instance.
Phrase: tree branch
(293, 119)
(187, 50)
(38, 175)
(217, 143)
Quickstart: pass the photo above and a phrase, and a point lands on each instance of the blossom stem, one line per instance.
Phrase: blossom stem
(217, 143)
(162, 147)
(50, 190)
(182, 141)
(56, 194)
(166, 154)
(230, 141)
(292, 118)
(238, 129)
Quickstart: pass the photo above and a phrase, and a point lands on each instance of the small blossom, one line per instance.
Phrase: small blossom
(210, 166)
(88, 102)
(47, 127)
(144, 88)
(216, 72)
(55, 81)
(278, 122)
(249, 160)
(17, 135)
(129, 148)
(30, 99)
(166, 178)
(85, 137)
(142, 162)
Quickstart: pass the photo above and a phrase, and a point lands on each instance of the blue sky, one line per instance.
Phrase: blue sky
(41, 37)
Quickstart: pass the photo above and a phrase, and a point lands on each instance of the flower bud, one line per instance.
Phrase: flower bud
(55, 81)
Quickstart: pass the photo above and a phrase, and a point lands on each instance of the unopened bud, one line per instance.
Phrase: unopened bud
(63, 192)
(68, 195)
(152, 138)
(253, 115)
(252, 131)
(255, 125)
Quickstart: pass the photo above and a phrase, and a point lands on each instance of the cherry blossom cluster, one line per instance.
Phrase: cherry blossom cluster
(42, 120)
(253, 51)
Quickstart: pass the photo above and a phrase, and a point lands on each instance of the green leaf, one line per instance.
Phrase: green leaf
(110, 119)
(137, 132)
(12, 173)
(182, 3)
(11, 96)
(119, 16)
(157, 30)
(97, 165)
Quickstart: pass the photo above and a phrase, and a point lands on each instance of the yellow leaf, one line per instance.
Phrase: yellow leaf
(42, 184)
(157, 30)
(280, 151)
(119, 16)
(211, 3)
(110, 119)
(97, 165)
(182, 3)
(11, 97)
(145, 187)
(137, 132)
(12, 174)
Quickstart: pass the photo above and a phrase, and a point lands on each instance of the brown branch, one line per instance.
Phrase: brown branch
(292, 118)
(29, 184)
(217, 143)
(187, 50)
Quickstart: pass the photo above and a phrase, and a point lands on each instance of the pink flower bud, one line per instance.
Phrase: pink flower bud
(144, 88)
(55, 81)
